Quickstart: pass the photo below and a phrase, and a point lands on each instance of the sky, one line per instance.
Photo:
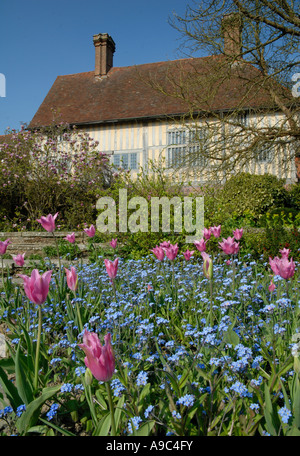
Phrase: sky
(41, 39)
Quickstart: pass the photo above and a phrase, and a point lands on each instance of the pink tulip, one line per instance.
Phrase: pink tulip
(285, 252)
(111, 267)
(113, 243)
(238, 234)
(272, 286)
(229, 246)
(91, 231)
(37, 286)
(48, 223)
(70, 238)
(72, 279)
(158, 252)
(274, 264)
(4, 245)
(215, 231)
(207, 265)
(282, 267)
(165, 244)
(171, 251)
(207, 233)
(187, 255)
(19, 259)
(200, 245)
(99, 359)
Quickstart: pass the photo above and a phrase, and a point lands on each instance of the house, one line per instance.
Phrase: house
(136, 113)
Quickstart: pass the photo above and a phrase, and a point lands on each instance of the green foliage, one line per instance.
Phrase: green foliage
(251, 195)
(154, 183)
(295, 196)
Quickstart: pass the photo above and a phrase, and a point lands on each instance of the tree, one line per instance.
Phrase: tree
(243, 105)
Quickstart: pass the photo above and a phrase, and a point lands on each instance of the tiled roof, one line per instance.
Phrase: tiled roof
(126, 94)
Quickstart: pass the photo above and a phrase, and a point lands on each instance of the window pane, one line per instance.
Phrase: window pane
(133, 161)
(116, 159)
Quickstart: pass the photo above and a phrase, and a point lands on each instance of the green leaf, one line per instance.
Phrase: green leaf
(57, 428)
(296, 406)
(8, 365)
(118, 410)
(231, 337)
(30, 416)
(101, 400)
(271, 417)
(103, 426)
(145, 429)
(10, 390)
(23, 386)
(294, 431)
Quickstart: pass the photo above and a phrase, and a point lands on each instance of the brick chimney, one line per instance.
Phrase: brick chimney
(232, 34)
(104, 50)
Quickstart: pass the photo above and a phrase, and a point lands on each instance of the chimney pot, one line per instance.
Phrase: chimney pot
(104, 50)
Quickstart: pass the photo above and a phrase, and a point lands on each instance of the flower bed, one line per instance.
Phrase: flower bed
(201, 345)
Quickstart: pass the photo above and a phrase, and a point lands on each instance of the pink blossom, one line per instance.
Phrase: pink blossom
(113, 243)
(48, 222)
(215, 231)
(99, 359)
(158, 252)
(188, 254)
(111, 267)
(72, 279)
(19, 259)
(70, 238)
(200, 245)
(165, 244)
(272, 286)
(238, 233)
(229, 246)
(37, 286)
(91, 231)
(4, 245)
(171, 251)
(283, 267)
(207, 233)
(285, 252)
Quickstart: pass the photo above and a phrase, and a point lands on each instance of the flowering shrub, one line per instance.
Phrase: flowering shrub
(62, 164)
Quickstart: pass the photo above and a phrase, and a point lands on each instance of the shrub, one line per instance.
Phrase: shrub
(53, 170)
(295, 196)
(251, 194)
(146, 185)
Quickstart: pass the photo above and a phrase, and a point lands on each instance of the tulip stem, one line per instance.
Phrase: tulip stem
(111, 407)
(38, 342)
(57, 249)
(78, 314)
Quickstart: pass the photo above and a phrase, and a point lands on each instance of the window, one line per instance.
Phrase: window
(243, 118)
(264, 154)
(184, 147)
(125, 161)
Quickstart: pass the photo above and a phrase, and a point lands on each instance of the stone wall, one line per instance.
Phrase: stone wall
(33, 242)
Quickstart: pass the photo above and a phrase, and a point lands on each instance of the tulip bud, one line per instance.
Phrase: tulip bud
(207, 266)
(88, 377)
